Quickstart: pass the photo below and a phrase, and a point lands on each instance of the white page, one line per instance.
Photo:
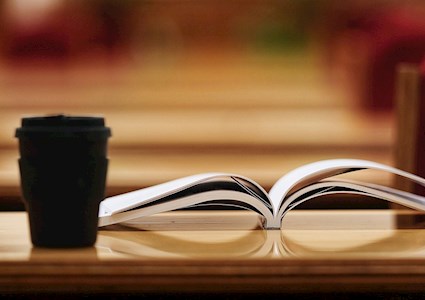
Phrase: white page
(187, 202)
(353, 187)
(140, 197)
(324, 169)
(129, 200)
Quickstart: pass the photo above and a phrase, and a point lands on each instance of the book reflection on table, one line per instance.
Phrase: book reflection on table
(309, 240)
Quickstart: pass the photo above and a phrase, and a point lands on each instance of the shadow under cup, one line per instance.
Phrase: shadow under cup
(63, 166)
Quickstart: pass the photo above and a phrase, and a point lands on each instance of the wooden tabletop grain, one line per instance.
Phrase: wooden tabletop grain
(316, 251)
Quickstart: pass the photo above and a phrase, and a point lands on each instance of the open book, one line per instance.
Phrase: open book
(300, 185)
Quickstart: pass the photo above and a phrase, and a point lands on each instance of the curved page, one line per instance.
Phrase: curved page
(188, 201)
(127, 201)
(324, 188)
(307, 174)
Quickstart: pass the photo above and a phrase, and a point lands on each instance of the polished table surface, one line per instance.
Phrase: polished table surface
(315, 251)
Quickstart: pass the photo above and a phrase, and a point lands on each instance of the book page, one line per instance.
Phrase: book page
(323, 188)
(188, 201)
(127, 201)
(307, 174)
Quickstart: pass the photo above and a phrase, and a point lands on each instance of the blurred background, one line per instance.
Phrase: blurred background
(254, 87)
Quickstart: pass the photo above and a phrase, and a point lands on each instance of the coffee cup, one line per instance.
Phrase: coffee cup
(63, 166)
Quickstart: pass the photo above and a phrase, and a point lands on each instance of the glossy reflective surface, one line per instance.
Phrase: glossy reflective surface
(305, 234)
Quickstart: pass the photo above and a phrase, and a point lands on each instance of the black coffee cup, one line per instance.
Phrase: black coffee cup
(63, 165)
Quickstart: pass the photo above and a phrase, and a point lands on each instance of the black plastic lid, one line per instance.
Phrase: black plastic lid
(62, 126)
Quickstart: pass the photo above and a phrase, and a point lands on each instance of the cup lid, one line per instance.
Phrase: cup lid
(62, 126)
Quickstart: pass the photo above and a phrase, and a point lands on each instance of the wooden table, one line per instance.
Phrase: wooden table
(317, 252)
